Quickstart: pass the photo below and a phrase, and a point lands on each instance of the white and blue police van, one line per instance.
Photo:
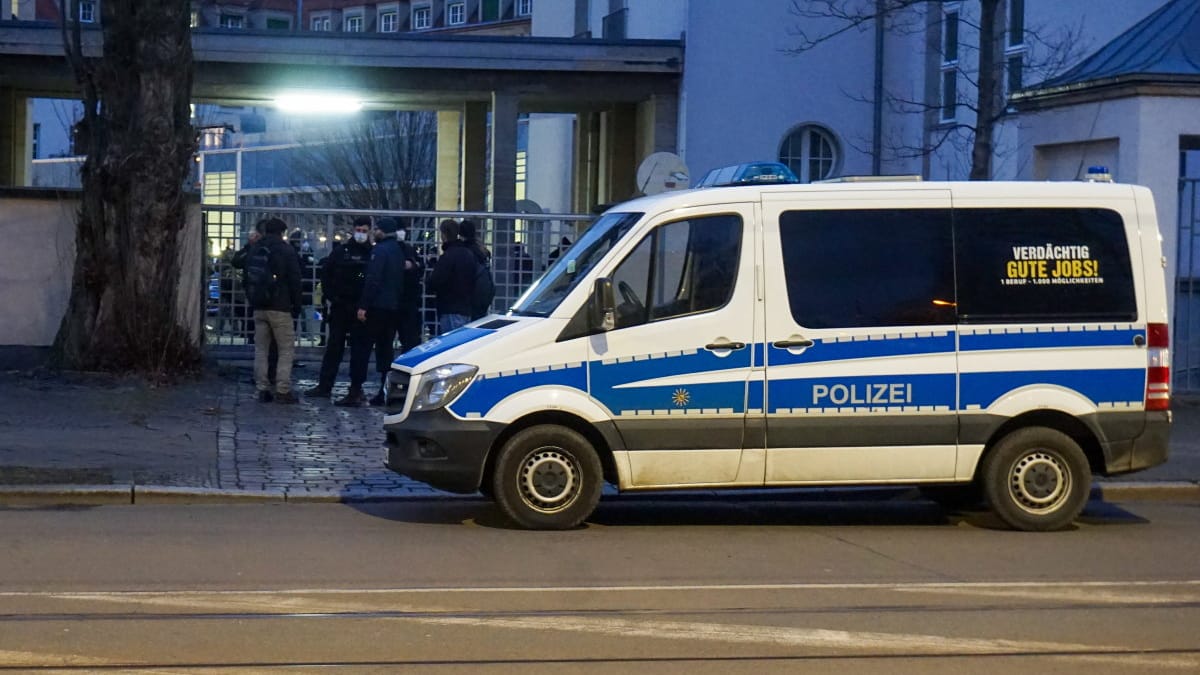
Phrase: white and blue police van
(1007, 340)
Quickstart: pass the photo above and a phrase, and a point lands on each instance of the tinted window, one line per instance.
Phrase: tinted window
(846, 269)
(1018, 265)
(684, 267)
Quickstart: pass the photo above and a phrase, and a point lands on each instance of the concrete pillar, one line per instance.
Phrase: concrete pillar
(503, 169)
(657, 125)
(15, 159)
(449, 160)
(618, 163)
(587, 162)
(473, 194)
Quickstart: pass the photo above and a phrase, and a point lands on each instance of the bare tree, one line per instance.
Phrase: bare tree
(139, 142)
(984, 102)
(383, 161)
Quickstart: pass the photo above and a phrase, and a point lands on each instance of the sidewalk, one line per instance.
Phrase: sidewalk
(82, 438)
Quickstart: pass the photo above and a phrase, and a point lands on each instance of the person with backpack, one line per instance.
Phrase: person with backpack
(379, 310)
(343, 274)
(271, 278)
(484, 290)
(453, 279)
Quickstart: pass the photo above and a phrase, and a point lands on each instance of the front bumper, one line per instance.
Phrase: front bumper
(439, 449)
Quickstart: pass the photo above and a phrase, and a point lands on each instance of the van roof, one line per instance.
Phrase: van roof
(966, 189)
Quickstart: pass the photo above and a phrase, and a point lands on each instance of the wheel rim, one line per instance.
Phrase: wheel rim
(549, 480)
(1039, 482)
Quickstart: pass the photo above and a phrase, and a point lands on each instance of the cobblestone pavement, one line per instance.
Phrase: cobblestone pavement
(310, 449)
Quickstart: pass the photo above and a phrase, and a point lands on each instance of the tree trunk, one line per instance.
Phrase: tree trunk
(139, 142)
(991, 36)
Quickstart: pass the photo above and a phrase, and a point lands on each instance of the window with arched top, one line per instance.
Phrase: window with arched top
(811, 152)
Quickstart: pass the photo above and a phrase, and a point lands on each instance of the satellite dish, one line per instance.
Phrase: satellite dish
(528, 206)
(662, 172)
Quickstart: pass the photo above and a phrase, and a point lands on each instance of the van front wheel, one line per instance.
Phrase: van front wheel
(1037, 479)
(547, 477)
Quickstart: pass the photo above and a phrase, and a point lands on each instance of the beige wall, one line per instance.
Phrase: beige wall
(37, 256)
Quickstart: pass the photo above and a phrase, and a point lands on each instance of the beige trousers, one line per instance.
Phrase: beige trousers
(270, 325)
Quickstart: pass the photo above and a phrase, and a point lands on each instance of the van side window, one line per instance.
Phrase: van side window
(868, 267)
(684, 267)
(1066, 264)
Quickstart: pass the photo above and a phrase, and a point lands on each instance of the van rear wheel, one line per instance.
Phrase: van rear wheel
(547, 477)
(1037, 479)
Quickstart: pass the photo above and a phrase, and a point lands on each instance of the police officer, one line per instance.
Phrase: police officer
(342, 278)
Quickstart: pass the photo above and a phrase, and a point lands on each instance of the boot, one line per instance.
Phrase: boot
(287, 397)
(265, 396)
(353, 399)
(319, 391)
(377, 399)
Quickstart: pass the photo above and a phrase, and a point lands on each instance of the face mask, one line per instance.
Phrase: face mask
(400, 235)
(360, 237)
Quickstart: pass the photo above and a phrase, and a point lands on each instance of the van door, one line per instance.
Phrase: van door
(860, 336)
(673, 372)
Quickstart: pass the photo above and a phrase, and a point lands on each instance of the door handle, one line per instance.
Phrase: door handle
(720, 346)
(792, 344)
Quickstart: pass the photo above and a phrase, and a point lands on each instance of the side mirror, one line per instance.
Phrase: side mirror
(602, 307)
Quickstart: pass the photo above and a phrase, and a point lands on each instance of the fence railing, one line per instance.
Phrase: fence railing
(523, 245)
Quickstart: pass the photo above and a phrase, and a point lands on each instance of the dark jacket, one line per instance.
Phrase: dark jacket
(344, 273)
(412, 277)
(384, 285)
(285, 264)
(453, 279)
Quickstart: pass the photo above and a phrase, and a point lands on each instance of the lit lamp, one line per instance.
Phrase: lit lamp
(317, 103)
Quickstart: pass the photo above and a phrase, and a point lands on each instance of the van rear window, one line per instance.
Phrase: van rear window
(1038, 264)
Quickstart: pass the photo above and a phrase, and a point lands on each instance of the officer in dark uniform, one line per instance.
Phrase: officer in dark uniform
(342, 278)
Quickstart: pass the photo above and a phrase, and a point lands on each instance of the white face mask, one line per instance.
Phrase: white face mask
(400, 235)
(360, 237)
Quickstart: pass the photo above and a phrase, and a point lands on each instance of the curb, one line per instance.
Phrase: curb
(65, 495)
(100, 495)
(1162, 491)
(161, 494)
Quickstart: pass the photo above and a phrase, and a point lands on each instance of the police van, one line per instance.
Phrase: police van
(1009, 338)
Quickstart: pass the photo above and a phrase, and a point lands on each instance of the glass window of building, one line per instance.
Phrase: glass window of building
(353, 24)
(389, 22)
(811, 152)
(422, 18)
(321, 23)
(87, 11)
(456, 13)
(524, 7)
(948, 94)
(233, 21)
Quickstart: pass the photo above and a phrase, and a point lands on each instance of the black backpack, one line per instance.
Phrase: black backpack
(259, 279)
(484, 291)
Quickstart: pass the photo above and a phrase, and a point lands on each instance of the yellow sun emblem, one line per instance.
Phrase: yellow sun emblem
(681, 397)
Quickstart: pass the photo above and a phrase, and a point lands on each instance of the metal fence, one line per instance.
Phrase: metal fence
(1186, 341)
(522, 246)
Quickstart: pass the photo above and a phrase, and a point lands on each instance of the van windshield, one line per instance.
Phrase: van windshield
(544, 296)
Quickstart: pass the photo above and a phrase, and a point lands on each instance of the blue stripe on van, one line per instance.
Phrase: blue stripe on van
(607, 380)
(447, 341)
(1101, 386)
(1075, 338)
(483, 394)
(871, 391)
(828, 350)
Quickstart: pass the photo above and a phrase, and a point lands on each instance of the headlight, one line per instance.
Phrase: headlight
(442, 385)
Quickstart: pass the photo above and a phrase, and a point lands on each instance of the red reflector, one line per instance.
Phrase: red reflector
(1158, 388)
(1158, 336)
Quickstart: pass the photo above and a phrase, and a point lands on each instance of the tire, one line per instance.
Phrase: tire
(1036, 479)
(965, 497)
(547, 477)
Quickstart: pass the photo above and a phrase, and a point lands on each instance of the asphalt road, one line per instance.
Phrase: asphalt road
(647, 586)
